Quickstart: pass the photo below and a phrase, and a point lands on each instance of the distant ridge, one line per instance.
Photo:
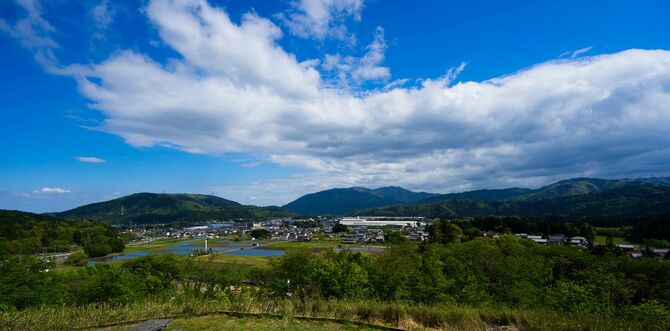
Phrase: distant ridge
(577, 196)
(160, 208)
(481, 195)
(563, 188)
(342, 201)
(626, 200)
(396, 201)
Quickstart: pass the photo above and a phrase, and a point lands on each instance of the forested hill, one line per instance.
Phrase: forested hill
(342, 201)
(648, 199)
(161, 208)
(482, 195)
(563, 188)
(578, 196)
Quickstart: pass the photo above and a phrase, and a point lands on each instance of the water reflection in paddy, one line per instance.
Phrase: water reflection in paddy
(187, 247)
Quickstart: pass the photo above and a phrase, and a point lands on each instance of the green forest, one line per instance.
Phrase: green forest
(503, 272)
(613, 204)
(27, 233)
(457, 267)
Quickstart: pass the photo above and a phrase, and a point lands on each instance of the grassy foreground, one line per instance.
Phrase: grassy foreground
(228, 323)
(397, 315)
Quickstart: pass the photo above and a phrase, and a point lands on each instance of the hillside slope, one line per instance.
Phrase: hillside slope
(563, 188)
(159, 208)
(579, 186)
(342, 201)
(481, 195)
(641, 200)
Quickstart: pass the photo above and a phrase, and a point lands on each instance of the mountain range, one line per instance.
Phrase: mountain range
(629, 201)
(552, 198)
(572, 197)
(568, 187)
(343, 201)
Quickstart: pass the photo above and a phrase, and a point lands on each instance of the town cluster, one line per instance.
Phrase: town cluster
(348, 230)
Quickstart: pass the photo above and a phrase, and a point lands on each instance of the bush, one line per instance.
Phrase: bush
(77, 259)
(394, 237)
(97, 249)
(651, 311)
(568, 296)
(24, 282)
(337, 228)
(102, 283)
(159, 271)
(657, 243)
(260, 233)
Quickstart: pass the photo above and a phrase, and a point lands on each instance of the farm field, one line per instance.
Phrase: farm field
(616, 240)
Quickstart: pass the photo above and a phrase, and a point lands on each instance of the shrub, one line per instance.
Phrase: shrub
(77, 259)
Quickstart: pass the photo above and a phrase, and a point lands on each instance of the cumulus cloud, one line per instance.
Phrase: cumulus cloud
(232, 88)
(320, 19)
(90, 159)
(52, 190)
(349, 69)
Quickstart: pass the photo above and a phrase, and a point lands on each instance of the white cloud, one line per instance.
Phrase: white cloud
(349, 69)
(577, 53)
(246, 55)
(396, 83)
(103, 14)
(321, 19)
(234, 89)
(52, 190)
(90, 159)
(33, 32)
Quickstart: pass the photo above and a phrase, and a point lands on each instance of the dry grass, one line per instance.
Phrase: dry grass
(224, 322)
(397, 315)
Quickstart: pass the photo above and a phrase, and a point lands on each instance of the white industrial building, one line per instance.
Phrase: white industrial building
(380, 221)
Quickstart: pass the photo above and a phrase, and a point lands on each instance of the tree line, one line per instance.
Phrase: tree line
(639, 229)
(27, 233)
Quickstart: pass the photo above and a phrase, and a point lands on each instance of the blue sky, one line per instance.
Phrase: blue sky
(263, 101)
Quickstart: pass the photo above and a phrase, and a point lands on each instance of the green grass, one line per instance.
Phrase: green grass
(616, 240)
(314, 245)
(224, 242)
(224, 322)
(250, 261)
(64, 268)
(152, 246)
